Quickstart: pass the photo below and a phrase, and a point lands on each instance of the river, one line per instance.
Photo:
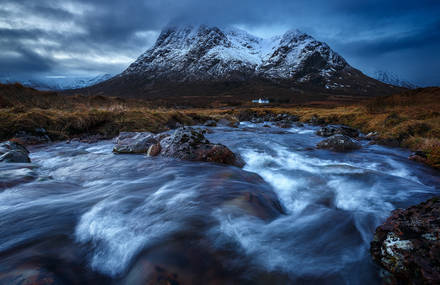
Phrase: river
(293, 215)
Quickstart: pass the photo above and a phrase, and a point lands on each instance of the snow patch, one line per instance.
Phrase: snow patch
(201, 52)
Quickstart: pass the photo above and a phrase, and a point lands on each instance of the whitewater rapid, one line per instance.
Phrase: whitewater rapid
(114, 213)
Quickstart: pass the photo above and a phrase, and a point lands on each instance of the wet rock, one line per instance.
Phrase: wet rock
(38, 136)
(189, 144)
(210, 123)
(284, 121)
(31, 274)
(284, 125)
(15, 174)
(407, 245)
(180, 263)
(191, 258)
(205, 131)
(285, 118)
(47, 262)
(154, 150)
(234, 124)
(265, 206)
(257, 120)
(339, 143)
(419, 156)
(134, 142)
(229, 123)
(14, 152)
(161, 136)
(342, 130)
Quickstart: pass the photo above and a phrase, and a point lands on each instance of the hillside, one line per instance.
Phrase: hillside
(230, 64)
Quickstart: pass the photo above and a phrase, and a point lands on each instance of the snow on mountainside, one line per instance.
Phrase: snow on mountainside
(229, 63)
(393, 79)
(206, 53)
(59, 83)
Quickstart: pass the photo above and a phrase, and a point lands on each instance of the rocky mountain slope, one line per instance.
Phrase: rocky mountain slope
(202, 60)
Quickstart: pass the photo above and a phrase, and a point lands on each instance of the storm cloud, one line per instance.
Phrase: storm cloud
(81, 37)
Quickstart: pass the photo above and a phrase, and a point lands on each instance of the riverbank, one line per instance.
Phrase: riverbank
(410, 119)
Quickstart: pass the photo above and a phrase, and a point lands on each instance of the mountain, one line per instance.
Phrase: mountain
(58, 82)
(393, 79)
(198, 61)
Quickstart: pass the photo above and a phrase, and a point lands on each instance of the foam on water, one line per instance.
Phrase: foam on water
(317, 191)
(117, 206)
(121, 226)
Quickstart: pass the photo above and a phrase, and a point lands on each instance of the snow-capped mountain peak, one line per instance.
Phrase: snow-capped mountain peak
(204, 60)
(202, 53)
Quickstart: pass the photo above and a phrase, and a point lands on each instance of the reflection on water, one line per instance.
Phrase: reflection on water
(293, 214)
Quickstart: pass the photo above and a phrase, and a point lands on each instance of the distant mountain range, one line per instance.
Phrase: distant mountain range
(197, 61)
(58, 82)
(393, 79)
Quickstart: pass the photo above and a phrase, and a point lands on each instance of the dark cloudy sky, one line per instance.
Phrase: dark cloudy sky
(79, 37)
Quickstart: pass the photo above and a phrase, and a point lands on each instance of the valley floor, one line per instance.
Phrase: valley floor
(107, 211)
(410, 119)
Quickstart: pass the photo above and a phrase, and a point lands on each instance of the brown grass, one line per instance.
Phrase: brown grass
(410, 119)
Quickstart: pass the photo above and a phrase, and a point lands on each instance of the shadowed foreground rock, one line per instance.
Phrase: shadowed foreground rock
(134, 142)
(13, 152)
(185, 143)
(407, 245)
(189, 144)
(339, 143)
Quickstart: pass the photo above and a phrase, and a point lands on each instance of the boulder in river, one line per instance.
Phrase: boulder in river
(15, 174)
(11, 151)
(154, 150)
(342, 130)
(189, 144)
(185, 143)
(134, 142)
(38, 136)
(210, 123)
(339, 143)
(419, 156)
(255, 117)
(229, 123)
(407, 245)
(284, 125)
(288, 118)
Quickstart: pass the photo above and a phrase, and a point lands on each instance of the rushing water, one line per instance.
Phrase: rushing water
(90, 216)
